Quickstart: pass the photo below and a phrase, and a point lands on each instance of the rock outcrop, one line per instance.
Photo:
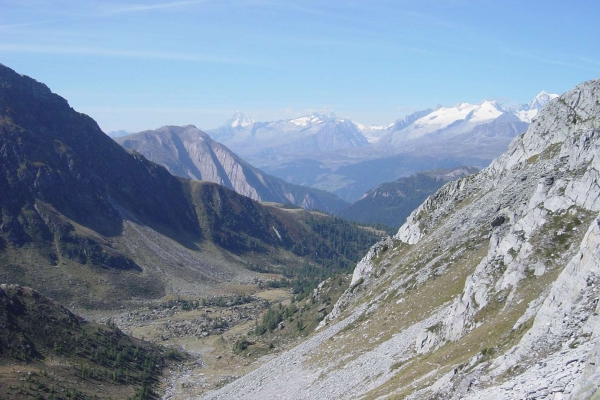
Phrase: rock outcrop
(489, 290)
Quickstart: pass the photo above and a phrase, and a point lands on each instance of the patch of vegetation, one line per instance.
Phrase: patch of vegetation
(437, 328)
(241, 345)
(194, 304)
(560, 232)
(274, 316)
(38, 332)
(305, 279)
(284, 324)
(289, 206)
(551, 152)
(391, 203)
(345, 242)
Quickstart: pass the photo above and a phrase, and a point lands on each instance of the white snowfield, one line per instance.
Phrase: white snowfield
(442, 118)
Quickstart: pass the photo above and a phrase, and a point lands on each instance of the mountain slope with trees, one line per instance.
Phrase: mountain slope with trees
(91, 225)
(48, 352)
(390, 203)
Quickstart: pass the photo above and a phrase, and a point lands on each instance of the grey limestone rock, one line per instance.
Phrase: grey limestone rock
(532, 219)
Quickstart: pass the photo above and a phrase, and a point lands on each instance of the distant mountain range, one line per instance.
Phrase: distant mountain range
(311, 134)
(334, 154)
(448, 122)
(322, 133)
(484, 130)
(190, 153)
(319, 149)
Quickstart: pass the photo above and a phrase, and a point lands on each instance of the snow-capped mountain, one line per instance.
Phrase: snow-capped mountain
(526, 112)
(541, 100)
(461, 118)
(374, 133)
(449, 122)
(239, 120)
(319, 132)
(307, 135)
(464, 134)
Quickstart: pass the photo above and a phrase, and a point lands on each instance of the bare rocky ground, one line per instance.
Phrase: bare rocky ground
(203, 330)
(206, 330)
(490, 290)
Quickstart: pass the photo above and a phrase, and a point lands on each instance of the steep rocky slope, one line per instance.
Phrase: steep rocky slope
(190, 153)
(489, 290)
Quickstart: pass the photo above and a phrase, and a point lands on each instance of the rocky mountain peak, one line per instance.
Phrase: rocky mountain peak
(541, 100)
(239, 120)
(190, 153)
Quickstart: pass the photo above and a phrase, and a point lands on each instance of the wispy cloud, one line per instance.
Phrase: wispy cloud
(100, 52)
(103, 12)
(149, 7)
(23, 24)
(303, 8)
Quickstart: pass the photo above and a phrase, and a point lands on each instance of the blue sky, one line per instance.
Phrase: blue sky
(141, 65)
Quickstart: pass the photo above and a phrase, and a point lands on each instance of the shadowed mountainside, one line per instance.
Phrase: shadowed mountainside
(88, 223)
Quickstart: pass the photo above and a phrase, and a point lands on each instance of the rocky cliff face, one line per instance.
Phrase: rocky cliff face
(190, 153)
(489, 290)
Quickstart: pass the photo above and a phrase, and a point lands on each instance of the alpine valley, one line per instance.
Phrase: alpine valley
(103, 231)
(160, 264)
